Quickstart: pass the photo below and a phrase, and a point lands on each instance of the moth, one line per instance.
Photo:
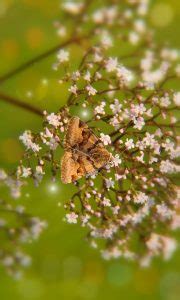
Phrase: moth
(84, 152)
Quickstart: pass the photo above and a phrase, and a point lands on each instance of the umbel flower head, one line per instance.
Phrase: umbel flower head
(130, 206)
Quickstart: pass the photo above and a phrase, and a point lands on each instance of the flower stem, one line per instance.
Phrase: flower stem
(19, 103)
(38, 58)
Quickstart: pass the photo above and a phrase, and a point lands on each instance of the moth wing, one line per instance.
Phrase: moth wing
(100, 156)
(89, 156)
(86, 165)
(69, 168)
(89, 140)
(75, 166)
(74, 133)
(96, 151)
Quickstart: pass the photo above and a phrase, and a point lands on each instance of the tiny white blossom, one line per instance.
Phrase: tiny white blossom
(167, 166)
(105, 139)
(106, 202)
(106, 40)
(111, 64)
(3, 174)
(87, 76)
(91, 91)
(99, 110)
(109, 183)
(129, 144)
(72, 7)
(26, 172)
(176, 98)
(139, 123)
(124, 74)
(53, 120)
(116, 107)
(165, 101)
(116, 161)
(141, 198)
(133, 37)
(164, 211)
(73, 89)
(63, 56)
(72, 217)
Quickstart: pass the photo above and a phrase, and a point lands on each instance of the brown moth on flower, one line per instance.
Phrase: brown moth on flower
(84, 152)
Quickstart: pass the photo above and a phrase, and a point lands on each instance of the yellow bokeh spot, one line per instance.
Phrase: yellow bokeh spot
(11, 150)
(146, 281)
(10, 49)
(47, 7)
(161, 15)
(34, 3)
(34, 37)
(94, 272)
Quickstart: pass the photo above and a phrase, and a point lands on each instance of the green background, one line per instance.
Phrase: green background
(64, 266)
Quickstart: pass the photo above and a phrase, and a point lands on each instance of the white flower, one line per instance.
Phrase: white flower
(111, 64)
(116, 107)
(61, 31)
(35, 147)
(141, 198)
(87, 76)
(133, 38)
(140, 158)
(116, 161)
(139, 26)
(164, 211)
(167, 166)
(124, 74)
(176, 98)
(105, 139)
(53, 120)
(73, 89)
(106, 40)
(139, 123)
(129, 144)
(111, 253)
(3, 174)
(115, 122)
(72, 7)
(97, 57)
(159, 243)
(153, 76)
(85, 219)
(175, 222)
(72, 217)
(106, 202)
(91, 91)
(137, 110)
(27, 138)
(99, 110)
(98, 16)
(109, 183)
(76, 75)
(170, 246)
(158, 132)
(142, 7)
(165, 101)
(63, 56)
(169, 54)
(26, 172)
(37, 227)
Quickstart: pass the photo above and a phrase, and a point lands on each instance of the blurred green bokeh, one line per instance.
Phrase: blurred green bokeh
(64, 266)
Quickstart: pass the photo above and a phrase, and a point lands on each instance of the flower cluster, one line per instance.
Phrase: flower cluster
(131, 206)
(17, 228)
